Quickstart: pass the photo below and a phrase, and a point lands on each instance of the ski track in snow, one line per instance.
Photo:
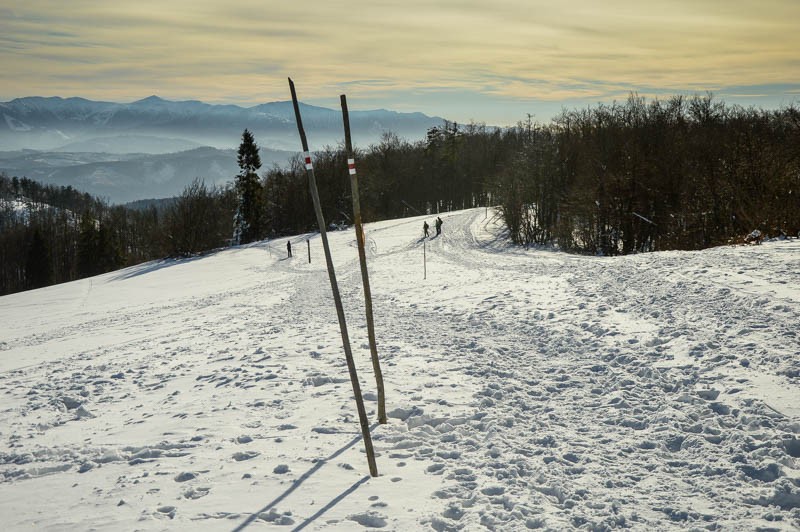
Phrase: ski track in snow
(526, 389)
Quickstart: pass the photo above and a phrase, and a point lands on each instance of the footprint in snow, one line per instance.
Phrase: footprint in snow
(195, 493)
(282, 519)
(245, 455)
(369, 519)
(167, 511)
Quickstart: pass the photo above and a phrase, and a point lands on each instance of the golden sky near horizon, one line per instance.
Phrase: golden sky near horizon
(395, 54)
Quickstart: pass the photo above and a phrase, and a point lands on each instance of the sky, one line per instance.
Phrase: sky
(466, 60)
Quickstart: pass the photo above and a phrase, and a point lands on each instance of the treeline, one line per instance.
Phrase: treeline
(51, 234)
(684, 173)
(454, 167)
(644, 176)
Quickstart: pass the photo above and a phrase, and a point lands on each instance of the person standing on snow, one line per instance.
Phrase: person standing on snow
(425, 228)
(439, 223)
(289, 248)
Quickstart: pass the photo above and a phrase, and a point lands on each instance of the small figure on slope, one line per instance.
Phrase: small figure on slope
(439, 223)
(289, 248)
(425, 228)
(755, 237)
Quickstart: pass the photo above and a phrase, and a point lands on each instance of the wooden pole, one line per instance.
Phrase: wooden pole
(312, 183)
(424, 259)
(362, 257)
(308, 242)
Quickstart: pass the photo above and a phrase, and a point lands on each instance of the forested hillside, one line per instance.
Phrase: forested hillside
(613, 179)
(54, 234)
(685, 173)
(639, 176)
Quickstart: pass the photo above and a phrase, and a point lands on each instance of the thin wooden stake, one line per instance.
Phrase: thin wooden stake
(424, 259)
(362, 257)
(308, 242)
(312, 183)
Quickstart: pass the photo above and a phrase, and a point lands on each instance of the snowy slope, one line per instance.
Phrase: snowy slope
(526, 389)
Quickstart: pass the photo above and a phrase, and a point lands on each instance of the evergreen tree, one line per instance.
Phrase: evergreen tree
(88, 245)
(99, 249)
(248, 221)
(38, 271)
(109, 256)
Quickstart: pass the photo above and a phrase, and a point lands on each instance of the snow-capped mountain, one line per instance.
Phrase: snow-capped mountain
(53, 123)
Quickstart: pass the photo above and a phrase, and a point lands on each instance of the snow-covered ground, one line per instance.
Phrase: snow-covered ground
(17, 207)
(526, 389)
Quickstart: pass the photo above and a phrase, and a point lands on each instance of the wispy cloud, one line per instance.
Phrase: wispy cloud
(508, 50)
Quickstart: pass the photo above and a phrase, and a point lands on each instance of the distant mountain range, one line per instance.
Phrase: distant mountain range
(155, 125)
(153, 148)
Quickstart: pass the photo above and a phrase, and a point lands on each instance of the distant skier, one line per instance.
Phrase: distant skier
(755, 237)
(289, 248)
(439, 223)
(425, 228)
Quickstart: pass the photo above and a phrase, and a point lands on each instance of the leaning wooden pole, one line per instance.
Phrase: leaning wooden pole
(312, 183)
(362, 256)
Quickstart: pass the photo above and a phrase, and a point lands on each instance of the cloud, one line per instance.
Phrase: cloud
(523, 50)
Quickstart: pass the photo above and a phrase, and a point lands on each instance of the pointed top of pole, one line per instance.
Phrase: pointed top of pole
(346, 116)
(297, 117)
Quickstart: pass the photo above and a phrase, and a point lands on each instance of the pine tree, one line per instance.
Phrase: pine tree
(38, 270)
(248, 220)
(87, 246)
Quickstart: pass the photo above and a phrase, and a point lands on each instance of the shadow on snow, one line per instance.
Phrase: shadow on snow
(305, 476)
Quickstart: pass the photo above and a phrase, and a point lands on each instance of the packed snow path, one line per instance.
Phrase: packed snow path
(526, 389)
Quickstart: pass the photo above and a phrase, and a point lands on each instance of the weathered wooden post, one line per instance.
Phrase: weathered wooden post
(362, 256)
(312, 183)
(308, 242)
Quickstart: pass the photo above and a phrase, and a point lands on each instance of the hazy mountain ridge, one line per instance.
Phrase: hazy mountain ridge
(50, 123)
(121, 144)
(154, 147)
(128, 177)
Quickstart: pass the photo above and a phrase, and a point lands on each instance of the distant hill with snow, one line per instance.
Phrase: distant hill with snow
(155, 125)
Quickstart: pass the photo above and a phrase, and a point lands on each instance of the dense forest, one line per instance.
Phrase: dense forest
(683, 173)
(52, 234)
